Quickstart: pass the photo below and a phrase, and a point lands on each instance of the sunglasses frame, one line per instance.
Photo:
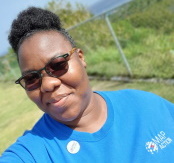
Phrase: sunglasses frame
(18, 81)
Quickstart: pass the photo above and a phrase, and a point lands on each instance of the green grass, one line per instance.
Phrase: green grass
(149, 52)
(18, 113)
(143, 28)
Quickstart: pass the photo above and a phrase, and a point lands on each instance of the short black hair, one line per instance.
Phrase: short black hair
(32, 20)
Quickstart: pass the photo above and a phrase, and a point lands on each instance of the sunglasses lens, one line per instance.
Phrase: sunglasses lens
(31, 81)
(57, 67)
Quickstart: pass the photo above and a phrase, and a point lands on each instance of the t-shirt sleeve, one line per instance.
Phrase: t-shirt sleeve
(16, 153)
(9, 157)
(170, 107)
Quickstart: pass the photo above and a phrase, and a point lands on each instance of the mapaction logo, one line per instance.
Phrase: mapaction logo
(160, 141)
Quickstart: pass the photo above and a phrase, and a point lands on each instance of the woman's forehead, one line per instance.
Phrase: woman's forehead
(44, 43)
(44, 38)
(42, 47)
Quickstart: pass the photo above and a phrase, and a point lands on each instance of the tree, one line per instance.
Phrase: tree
(69, 14)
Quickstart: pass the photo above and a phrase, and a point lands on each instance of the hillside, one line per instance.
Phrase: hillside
(156, 14)
(144, 29)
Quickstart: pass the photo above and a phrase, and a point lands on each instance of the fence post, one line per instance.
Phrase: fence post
(118, 45)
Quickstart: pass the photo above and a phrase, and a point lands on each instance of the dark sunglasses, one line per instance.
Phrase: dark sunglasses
(56, 67)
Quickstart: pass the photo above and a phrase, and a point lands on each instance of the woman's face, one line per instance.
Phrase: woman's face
(67, 97)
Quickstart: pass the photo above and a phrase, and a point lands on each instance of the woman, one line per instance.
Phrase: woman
(127, 126)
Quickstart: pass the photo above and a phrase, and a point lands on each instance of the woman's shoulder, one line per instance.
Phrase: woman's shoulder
(130, 94)
(138, 100)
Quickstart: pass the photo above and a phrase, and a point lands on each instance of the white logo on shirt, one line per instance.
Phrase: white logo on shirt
(160, 141)
(151, 147)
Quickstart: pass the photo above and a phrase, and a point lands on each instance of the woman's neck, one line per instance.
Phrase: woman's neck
(94, 116)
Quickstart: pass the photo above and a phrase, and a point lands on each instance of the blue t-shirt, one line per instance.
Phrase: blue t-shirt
(139, 129)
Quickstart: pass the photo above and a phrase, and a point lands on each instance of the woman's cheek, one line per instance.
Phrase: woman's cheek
(76, 74)
(35, 96)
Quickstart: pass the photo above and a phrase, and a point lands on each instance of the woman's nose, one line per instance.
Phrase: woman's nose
(49, 83)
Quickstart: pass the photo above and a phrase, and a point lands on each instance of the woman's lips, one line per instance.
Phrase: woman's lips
(58, 100)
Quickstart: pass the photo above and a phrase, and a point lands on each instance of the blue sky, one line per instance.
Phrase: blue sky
(9, 9)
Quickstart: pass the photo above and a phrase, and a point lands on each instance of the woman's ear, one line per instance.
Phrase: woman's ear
(81, 56)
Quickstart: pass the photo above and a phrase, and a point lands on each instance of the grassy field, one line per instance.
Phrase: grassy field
(18, 113)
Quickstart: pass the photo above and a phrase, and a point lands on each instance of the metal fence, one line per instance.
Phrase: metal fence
(106, 14)
(128, 52)
(150, 56)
